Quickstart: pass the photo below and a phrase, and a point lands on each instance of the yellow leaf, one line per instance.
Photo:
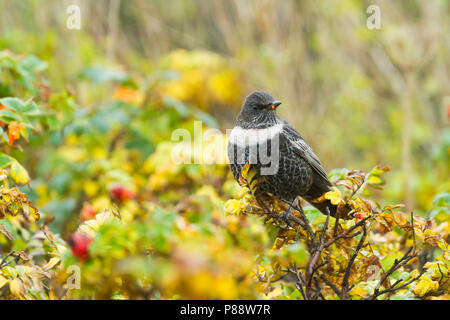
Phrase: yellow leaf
(51, 263)
(401, 221)
(234, 207)
(379, 170)
(374, 180)
(390, 208)
(243, 177)
(30, 210)
(91, 187)
(428, 233)
(16, 287)
(424, 286)
(3, 281)
(104, 217)
(19, 174)
(274, 293)
(418, 232)
(334, 196)
(359, 292)
(88, 229)
(386, 220)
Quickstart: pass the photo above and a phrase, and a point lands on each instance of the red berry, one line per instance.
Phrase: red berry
(359, 216)
(79, 243)
(87, 212)
(120, 193)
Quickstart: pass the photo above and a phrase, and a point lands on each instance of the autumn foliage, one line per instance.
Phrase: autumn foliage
(369, 252)
(93, 204)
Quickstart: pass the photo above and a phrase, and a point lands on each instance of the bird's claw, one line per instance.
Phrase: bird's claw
(285, 217)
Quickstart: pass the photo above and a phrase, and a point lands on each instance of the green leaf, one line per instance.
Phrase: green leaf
(338, 174)
(297, 251)
(12, 103)
(8, 116)
(98, 74)
(18, 106)
(3, 134)
(312, 213)
(32, 64)
(442, 199)
(30, 109)
(5, 160)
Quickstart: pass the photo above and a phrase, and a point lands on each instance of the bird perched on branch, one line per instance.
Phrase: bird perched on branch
(282, 163)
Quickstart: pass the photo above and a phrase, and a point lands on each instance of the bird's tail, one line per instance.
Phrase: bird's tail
(316, 198)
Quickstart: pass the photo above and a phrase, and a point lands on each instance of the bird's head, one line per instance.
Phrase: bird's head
(259, 110)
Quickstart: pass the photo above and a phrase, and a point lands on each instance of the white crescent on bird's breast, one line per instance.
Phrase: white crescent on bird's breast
(247, 137)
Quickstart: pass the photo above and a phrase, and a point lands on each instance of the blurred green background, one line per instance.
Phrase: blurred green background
(360, 97)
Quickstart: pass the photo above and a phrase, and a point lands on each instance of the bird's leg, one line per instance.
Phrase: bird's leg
(285, 216)
(298, 207)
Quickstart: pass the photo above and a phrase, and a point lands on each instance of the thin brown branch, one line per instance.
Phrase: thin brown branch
(397, 265)
(336, 225)
(3, 263)
(413, 231)
(305, 224)
(331, 285)
(319, 290)
(345, 289)
(325, 227)
(300, 282)
(393, 288)
(347, 232)
(316, 249)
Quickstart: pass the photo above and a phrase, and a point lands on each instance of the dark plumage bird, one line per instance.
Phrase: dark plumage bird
(293, 170)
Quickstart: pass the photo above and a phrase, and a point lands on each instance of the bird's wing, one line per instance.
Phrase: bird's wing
(304, 150)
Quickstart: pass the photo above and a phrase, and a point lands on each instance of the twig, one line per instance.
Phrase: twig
(331, 285)
(299, 288)
(325, 227)
(319, 291)
(413, 231)
(319, 266)
(440, 271)
(393, 289)
(345, 289)
(346, 233)
(336, 225)
(3, 263)
(397, 264)
(300, 282)
(306, 224)
(316, 250)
